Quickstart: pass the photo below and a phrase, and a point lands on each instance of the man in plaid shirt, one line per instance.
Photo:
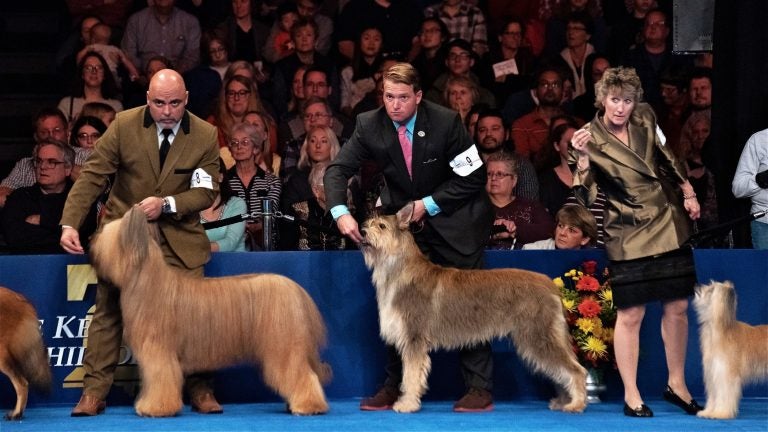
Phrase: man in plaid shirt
(464, 21)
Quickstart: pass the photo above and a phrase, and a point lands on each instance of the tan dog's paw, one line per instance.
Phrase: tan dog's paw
(406, 405)
(712, 414)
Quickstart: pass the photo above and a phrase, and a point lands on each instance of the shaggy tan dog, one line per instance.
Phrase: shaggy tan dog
(423, 306)
(732, 353)
(176, 324)
(23, 357)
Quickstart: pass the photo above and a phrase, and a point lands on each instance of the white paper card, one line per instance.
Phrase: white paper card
(506, 67)
(467, 162)
(200, 178)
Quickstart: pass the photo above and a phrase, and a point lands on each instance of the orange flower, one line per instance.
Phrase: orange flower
(589, 308)
(588, 283)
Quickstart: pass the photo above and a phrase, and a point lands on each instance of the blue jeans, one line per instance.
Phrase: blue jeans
(759, 235)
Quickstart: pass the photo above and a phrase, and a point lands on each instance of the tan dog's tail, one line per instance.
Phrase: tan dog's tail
(29, 353)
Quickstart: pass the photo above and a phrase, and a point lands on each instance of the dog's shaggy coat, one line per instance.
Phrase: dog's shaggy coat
(423, 306)
(732, 353)
(177, 325)
(23, 357)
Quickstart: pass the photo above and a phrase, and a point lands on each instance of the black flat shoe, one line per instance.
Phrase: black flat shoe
(642, 411)
(691, 407)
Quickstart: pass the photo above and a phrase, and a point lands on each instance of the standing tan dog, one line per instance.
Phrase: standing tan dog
(176, 324)
(423, 306)
(732, 353)
(23, 356)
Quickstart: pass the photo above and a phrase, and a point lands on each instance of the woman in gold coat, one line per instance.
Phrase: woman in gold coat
(622, 150)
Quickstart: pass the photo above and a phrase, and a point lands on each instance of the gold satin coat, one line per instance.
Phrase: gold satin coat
(644, 213)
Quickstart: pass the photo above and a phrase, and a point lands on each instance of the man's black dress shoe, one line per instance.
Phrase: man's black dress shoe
(691, 407)
(642, 411)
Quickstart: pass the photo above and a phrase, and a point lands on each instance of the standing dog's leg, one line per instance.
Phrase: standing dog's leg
(723, 387)
(20, 384)
(161, 380)
(416, 366)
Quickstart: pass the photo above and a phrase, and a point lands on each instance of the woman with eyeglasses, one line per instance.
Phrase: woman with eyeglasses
(249, 181)
(518, 220)
(94, 84)
(238, 95)
(85, 132)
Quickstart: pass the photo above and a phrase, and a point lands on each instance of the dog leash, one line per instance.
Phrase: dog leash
(278, 214)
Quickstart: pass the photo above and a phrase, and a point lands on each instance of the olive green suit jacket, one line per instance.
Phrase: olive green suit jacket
(644, 213)
(129, 150)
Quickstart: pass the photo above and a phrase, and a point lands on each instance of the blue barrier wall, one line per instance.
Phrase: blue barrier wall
(340, 285)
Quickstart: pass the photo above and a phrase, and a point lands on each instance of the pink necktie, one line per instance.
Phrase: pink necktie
(405, 144)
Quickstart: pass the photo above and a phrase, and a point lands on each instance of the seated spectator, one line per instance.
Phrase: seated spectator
(459, 60)
(135, 92)
(48, 123)
(584, 104)
(315, 113)
(163, 29)
(464, 21)
(555, 177)
(279, 44)
(579, 31)
(30, 219)
(85, 132)
(268, 160)
(320, 147)
(238, 95)
(204, 81)
(512, 63)
(520, 220)
(101, 111)
(100, 38)
(250, 182)
(529, 132)
(357, 78)
(229, 238)
(310, 10)
(461, 94)
(576, 229)
(694, 136)
(246, 33)
(94, 84)
(430, 59)
(492, 136)
(557, 26)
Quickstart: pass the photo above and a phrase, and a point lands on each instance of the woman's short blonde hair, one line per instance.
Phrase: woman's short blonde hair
(621, 80)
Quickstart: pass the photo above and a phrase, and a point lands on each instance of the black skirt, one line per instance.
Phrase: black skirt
(667, 276)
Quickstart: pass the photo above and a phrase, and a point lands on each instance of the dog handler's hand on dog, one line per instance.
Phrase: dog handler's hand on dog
(152, 207)
(348, 227)
(70, 241)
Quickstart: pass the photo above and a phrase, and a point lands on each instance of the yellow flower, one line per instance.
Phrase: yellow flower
(606, 295)
(597, 329)
(585, 324)
(559, 282)
(595, 346)
(570, 305)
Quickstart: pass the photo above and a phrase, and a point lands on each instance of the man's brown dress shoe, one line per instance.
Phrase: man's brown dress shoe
(205, 403)
(88, 406)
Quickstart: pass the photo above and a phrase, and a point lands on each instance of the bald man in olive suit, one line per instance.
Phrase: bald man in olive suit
(170, 193)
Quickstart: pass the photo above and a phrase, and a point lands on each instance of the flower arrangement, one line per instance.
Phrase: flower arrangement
(590, 313)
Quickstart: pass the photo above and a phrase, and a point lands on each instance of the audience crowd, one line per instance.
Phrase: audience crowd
(283, 81)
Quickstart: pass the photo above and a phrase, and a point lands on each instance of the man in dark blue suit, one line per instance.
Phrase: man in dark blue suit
(445, 179)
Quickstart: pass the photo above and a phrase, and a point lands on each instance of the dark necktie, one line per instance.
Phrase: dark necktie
(165, 146)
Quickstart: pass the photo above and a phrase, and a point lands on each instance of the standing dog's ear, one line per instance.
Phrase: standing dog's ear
(404, 216)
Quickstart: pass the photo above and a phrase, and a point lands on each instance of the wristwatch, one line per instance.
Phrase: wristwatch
(166, 205)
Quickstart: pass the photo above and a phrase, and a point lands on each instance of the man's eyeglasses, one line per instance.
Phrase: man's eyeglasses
(245, 142)
(550, 85)
(88, 137)
(237, 94)
(498, 175)
(46, 163)
(310, 116)
(92, 68)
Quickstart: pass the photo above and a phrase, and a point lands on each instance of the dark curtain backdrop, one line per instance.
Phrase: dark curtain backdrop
(740, 96)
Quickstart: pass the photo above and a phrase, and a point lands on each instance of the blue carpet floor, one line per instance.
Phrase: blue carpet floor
(434, 417)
